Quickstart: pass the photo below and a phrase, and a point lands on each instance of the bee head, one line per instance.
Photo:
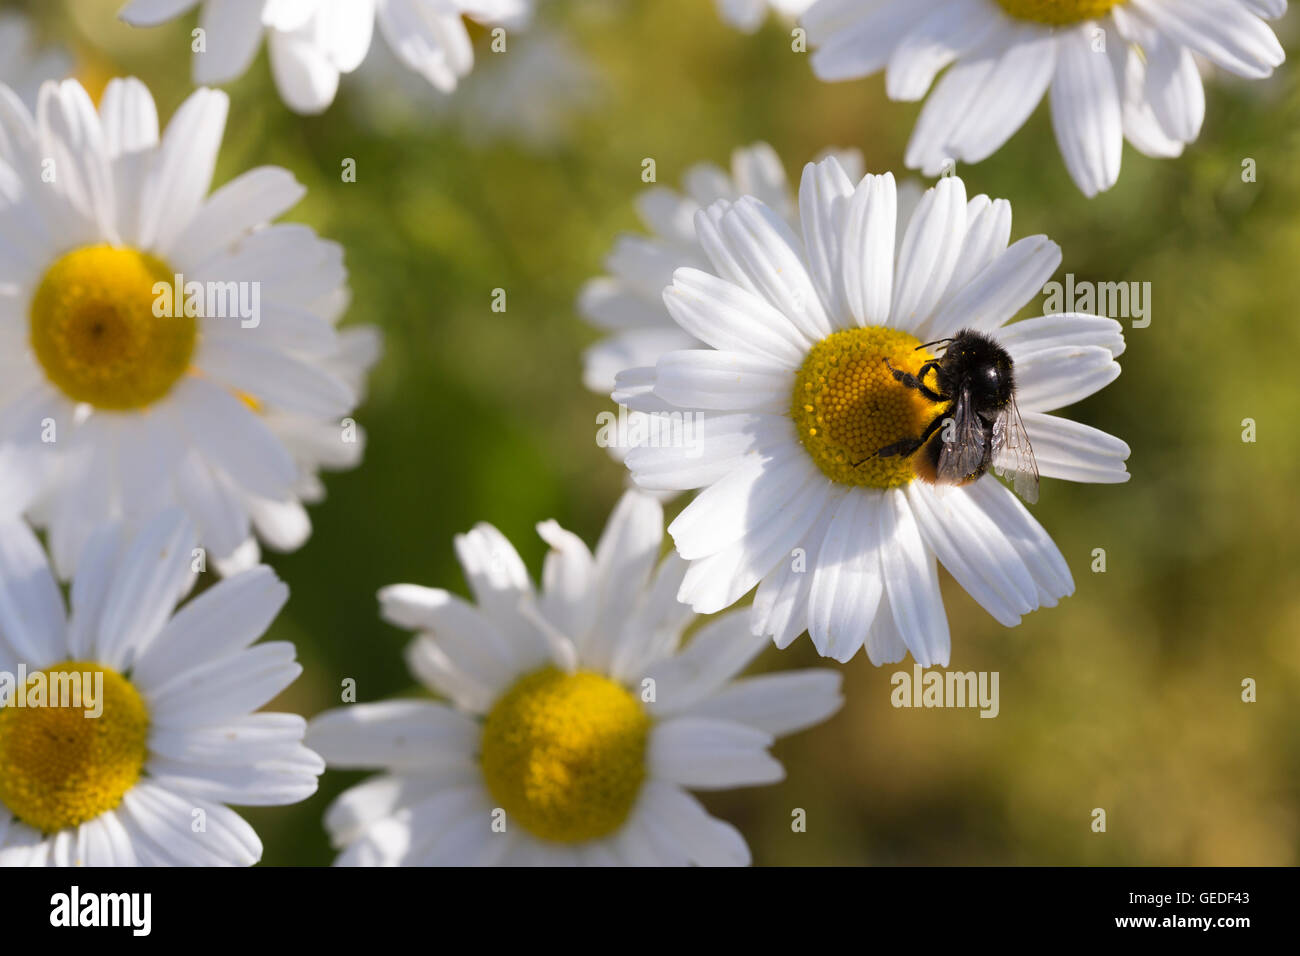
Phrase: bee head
(984, 364)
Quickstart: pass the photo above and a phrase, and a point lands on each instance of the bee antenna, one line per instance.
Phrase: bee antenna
(926, 345)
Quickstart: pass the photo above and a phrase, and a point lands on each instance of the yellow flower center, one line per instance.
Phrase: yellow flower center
(564, 754)
(1058, 12)
(847, 405)
(96, 334)
(59, 765)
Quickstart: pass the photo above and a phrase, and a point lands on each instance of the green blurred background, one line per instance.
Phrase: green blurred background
(1126, 697)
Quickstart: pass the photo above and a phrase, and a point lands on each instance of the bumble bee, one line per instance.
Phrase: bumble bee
(975, 379)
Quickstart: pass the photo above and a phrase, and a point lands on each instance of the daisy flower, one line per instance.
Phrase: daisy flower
(313, 42)
(576, 721)
(748, 15)
(797, 399)
(162, 346)
(1113, 69)
(23, 65)
(153, 732)
(628, 305)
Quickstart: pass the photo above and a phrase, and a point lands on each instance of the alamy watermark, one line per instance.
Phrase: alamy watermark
(209, 300)
(71, 689)
(133, 911)
(946, 689)
(630, 429)
(1115, 300)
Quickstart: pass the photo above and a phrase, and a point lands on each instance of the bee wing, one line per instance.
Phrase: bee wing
(1013, 454)
(963, 443)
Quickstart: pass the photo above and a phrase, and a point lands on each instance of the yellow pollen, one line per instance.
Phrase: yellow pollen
(95, 333)
(60, 767)
(564, 754)
(847, 405)
(1058, 12)
(252, 401)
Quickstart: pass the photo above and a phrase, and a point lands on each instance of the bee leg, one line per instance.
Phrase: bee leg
(906, 447)
(908, 380)
(903, 448)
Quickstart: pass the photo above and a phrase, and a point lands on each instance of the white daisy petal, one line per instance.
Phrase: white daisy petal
(224, 619)
(227, 431)
(723, 381)
(286, 780)
(1009, 92)
(249, 200)
(226, 688)
(708, 841)
(167, 818)
(1042, 557)
(824, 193)
(1086, 113)
(281, 381)
(157, 570)
(988, 233)
(947, 31)
(947, 105)
(863, 46)
(847, 585)
(568, 576)
(870, 224)
(928, 254)
(1033, 336)
(726, 511)
(407, 734)
(720, 444)
(710, 754)
(90, 588)
(66, 111)
(719, 580)
(22, 846)
(624, 558)
(467, 637)
(975, 552)
(233, 32)
(1073, 451)
(912, 583)
(148, 13)
(183, 168)
(304, 75)
(728, 317)
(781, 601)
(722, 648)
(1062, 375)
(767, 251)
(999, 290)
(373, 800)
(884, 643)
(129, 118)
(31, 607)
(1173, 88)
(1226, 33)
(470, 841)
(434, 667)
(778, 704)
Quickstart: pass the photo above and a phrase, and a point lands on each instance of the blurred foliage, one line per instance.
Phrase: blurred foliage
(1125, 697)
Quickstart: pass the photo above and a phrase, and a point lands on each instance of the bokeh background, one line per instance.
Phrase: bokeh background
(1127, 696)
